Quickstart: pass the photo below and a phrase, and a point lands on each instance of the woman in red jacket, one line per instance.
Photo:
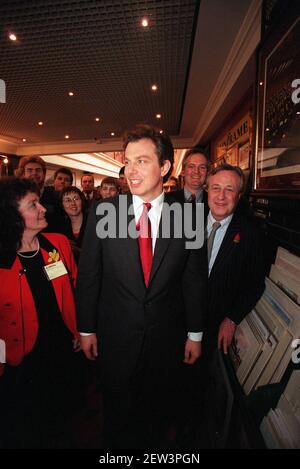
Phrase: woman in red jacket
(37, 320)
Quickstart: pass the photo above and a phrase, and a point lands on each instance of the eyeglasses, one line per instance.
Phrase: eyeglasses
(69, 200)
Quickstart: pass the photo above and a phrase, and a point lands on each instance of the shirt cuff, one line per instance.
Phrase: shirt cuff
(84, 334)
(195, 336)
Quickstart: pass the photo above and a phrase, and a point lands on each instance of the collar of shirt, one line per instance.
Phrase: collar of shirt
(224, 223)
(187, 195)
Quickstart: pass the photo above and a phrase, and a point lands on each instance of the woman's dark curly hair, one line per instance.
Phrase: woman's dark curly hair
(12, 190)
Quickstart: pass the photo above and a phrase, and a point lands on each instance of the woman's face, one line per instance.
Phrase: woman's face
(33, 213)
(72, 204)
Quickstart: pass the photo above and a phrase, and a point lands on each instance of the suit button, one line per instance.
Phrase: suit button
(15, 340)
(7, 304)
(13, 323)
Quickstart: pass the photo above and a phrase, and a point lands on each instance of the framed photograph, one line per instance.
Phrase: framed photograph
(244, 156)
(232, 156)
(277, 140)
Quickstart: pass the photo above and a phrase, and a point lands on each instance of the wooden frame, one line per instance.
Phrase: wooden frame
(277, 139)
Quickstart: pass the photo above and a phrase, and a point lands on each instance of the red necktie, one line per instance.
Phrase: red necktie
(145, 242)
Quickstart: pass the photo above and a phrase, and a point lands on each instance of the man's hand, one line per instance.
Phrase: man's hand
(226, 333)
(192, 351)
(89, 346)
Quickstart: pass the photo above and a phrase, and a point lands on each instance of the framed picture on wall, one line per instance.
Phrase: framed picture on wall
(277, 140)
(232, 156)
(244, 156)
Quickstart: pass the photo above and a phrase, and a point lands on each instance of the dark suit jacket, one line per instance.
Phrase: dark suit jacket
(179, 197)
(236, 281)
(129, 318)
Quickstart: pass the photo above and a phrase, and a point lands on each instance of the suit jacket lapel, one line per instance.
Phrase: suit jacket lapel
(162, 243)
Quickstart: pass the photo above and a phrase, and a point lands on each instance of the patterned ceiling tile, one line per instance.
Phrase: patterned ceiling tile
(98, 50)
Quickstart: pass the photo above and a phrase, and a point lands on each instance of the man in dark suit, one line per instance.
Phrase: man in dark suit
(140, 306)
(88, 188)
(235, 256)
(195, 165)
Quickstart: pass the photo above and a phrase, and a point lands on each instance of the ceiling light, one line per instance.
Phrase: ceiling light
(40, 123)
(154, 87)
(158, 116)
(298, 113)
(267, 129)
(12, 37)
(145, 22)
(161, 131)
(67, 136)
(24, 140)
(97, 119)
(5, 161)
(261, 83)
(112, 134)
(71, 93)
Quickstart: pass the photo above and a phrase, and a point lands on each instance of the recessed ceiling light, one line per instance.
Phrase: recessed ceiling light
(12, 37)
(154, 87)
(267, 129)
(24, 140)
(67, 136)
(97, 119)
(261, 83)
(161, 131)
(158, 116)
(71, 93)
(112, 134)
(5, 161)
(40, 123)
(145, 22)
(298, 113)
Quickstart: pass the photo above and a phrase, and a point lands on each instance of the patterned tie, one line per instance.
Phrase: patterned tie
(210, 241)
(145, 242)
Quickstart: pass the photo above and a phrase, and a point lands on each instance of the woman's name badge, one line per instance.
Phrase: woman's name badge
(55, 270)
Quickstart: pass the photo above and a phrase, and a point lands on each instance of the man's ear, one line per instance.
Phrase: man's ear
(165, 167)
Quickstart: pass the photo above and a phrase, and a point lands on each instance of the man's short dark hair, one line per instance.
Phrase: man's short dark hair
(122, 171)
(193, 151)
(87, 173)
(66, 171)
(163, 145)
(111, 181)
(228, 167)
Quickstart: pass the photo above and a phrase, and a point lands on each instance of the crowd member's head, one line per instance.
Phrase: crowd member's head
(171, 185)
(73, 201)
(109, 188)
(87, 182)
(123, 181)
(34, 168)
(63, 177)
(195, 165)
(20, 212)
(149, 157)
(225, 186)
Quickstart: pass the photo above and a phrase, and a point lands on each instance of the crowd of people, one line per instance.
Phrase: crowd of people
(150, 309)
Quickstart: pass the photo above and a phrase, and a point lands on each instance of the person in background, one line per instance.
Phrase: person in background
(34, 168)
(73, 203)
(195, 165)
(171, 185)
(88, 188)
(109, 188)
(123, 185)
(63, 177)
(37, 321)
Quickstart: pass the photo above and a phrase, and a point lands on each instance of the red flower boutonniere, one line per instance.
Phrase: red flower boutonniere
(237, 238)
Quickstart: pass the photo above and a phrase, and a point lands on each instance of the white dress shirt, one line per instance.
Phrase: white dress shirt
(220, 233)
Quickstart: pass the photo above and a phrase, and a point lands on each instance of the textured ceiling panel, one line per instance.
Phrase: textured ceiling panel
(98, 50)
